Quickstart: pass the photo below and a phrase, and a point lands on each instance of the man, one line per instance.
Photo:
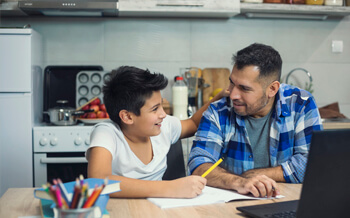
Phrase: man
(263, 130)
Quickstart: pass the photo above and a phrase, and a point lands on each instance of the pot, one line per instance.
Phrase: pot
(63, 115)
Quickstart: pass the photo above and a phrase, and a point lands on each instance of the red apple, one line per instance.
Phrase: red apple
(84, 115)
(95, 107)
(101, 114)
(103, 107)
(97, 101)
(91, 115)
(86, 107)
(107, 115)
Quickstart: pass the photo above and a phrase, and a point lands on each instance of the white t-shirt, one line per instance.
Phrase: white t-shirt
(125, 163)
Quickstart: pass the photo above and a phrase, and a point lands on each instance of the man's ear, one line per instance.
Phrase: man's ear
(273, 88)
(126, 117)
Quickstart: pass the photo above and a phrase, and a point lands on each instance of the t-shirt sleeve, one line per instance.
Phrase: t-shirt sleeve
(174, 128)
(102, 136)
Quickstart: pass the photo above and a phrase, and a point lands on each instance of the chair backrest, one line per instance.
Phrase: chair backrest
(175, 162)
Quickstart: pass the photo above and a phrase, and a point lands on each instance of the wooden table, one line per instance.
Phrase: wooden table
(21, 202)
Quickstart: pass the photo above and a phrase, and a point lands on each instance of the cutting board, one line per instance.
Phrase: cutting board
(216, 78)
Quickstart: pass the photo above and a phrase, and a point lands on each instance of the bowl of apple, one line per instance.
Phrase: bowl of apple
(98, 114)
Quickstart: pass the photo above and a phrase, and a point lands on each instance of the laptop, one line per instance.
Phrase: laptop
(326, 187)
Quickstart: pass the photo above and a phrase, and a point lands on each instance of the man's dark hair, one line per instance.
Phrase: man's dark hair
(128, 89)
(266, 58)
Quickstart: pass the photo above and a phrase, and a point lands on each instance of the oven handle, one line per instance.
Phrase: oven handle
(46, 160)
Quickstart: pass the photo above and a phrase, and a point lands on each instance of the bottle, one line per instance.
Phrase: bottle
(180, 98)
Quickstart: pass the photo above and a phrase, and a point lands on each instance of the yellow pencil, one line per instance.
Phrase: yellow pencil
(212, 167)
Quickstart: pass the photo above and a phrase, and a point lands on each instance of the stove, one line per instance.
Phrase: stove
(59, 152)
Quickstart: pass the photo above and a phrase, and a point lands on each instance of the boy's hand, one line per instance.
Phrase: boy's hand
(188, 187)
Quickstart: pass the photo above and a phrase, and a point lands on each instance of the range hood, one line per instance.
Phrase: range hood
(132, 8)
(69, 8)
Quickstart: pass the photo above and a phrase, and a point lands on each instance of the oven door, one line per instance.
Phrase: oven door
(66, 165)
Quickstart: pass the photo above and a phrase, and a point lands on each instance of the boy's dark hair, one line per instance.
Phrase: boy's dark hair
(128, 89)
(266, 58)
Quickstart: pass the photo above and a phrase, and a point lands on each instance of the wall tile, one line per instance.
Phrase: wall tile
(147, 40)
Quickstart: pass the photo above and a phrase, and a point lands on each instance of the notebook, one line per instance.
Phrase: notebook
(325, 191)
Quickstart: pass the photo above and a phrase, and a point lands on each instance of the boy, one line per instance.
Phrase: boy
(133, 148)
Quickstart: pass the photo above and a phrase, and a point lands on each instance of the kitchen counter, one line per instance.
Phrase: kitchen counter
(341, 123)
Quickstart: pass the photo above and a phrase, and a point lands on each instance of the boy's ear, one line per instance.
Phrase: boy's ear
(126, 117)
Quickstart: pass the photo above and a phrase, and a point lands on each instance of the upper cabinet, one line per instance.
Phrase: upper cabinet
(170, 8)
(292, 11)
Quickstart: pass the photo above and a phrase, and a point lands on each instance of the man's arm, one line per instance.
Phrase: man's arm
(100, 166)
(258, 185)
(308, 120)
(189, 126)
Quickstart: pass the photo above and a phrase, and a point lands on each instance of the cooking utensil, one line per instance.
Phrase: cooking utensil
(191, 79)
(215, 78)
(63, 115)
(91, 100)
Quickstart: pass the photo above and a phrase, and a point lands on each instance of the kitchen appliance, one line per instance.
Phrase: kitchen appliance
(63, 115)
(69, 8)
(57, 77)
(59, 152)
(132, 8)
(21, 99)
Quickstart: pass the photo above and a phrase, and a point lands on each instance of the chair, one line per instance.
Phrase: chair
(175, 162)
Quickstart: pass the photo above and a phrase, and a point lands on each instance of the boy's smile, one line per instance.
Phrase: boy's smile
(151, 116)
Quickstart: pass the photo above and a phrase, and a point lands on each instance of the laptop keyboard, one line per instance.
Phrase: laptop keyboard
(284, 214)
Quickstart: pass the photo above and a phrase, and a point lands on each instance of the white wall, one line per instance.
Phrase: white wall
(166, 45)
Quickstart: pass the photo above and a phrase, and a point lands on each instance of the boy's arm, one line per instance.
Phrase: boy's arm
(100, 166)
(189, 126)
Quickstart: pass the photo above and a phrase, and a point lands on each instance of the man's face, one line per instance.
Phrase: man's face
(151, 116)
(249, 97)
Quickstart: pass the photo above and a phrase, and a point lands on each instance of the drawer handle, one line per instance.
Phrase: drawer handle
(46, 160)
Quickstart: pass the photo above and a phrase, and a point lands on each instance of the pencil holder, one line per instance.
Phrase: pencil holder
(74, 213)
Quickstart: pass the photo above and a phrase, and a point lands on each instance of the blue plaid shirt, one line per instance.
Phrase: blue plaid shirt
(223, 133)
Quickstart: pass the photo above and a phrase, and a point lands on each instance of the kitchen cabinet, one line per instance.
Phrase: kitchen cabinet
(20, 96)
(293, 11)
(249, 10)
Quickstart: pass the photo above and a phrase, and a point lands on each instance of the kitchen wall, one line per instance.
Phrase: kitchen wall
(166, 45)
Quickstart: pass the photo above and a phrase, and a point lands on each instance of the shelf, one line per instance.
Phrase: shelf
(290, 11)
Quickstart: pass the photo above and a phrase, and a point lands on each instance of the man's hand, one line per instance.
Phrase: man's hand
(258, 185)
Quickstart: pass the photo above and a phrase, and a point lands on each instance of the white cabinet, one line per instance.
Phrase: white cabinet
(20, 56)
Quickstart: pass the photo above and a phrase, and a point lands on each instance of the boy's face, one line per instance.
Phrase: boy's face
(151, 116)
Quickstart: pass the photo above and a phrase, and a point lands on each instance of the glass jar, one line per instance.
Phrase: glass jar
(314, 2)
(274, 1)
(334, 2)
(295, 2)
(252, 1)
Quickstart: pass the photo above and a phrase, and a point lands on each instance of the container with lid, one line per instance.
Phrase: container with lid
(295, 1)
(252, 1)
(334, 2)
(274, 1)
(180, 99)
(314, 2)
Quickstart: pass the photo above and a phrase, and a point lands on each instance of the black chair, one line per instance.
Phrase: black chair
(175, 162)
